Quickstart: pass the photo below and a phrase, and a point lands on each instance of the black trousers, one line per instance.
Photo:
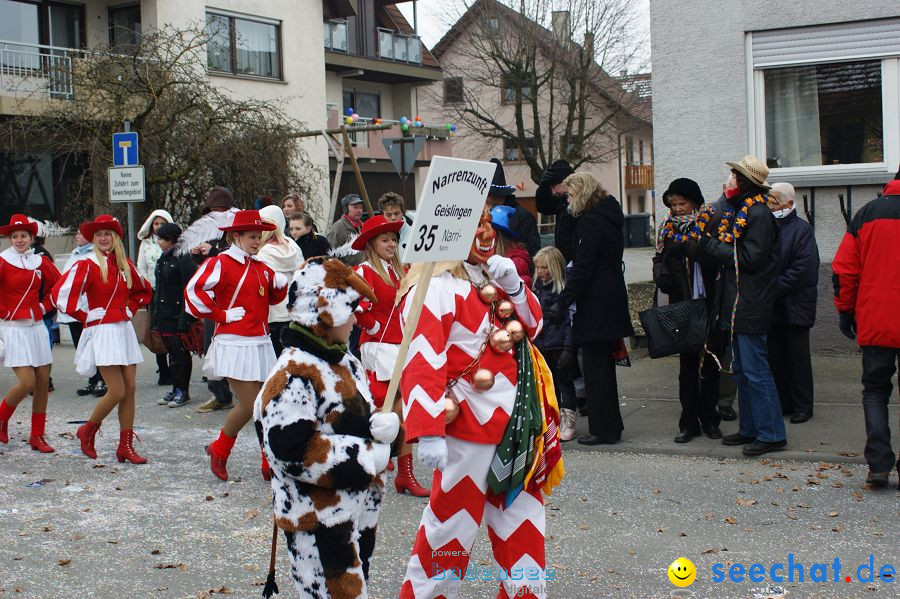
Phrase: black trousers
(180, 362)
(563, 380)
(275, 329)
(698, 392)
(75, 329)
(604, 417)
(791, 366)
(220, 389)
(879, 365)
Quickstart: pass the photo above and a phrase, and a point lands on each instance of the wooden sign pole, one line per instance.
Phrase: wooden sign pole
(412, 318)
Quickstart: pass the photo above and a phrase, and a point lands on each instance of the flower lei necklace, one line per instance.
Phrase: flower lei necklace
(727, 232)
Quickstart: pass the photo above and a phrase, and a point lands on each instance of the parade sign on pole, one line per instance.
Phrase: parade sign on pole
(449, 209)
(447, 215)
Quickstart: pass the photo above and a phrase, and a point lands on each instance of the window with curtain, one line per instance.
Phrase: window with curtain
(824, 114)
(125, 26)
(19, 22)
(243, 46)
(365, 104)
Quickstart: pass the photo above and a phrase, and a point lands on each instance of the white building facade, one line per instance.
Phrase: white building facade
(809, 86)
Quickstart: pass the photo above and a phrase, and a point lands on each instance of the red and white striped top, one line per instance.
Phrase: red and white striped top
(210, 291)
(449, 334)
(114, 295)
(21, 277)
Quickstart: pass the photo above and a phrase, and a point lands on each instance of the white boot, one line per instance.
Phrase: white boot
(567, 424)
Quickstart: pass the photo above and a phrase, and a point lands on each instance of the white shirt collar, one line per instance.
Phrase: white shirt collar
(27, 260)
(238, 254)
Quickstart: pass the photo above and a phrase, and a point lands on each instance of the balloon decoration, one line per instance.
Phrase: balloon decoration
(404, 127)
(377, 120)
(348, 120)
(453, 128)
(349, 111)
(404, 120)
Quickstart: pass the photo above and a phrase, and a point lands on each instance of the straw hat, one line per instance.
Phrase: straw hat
(754, 169)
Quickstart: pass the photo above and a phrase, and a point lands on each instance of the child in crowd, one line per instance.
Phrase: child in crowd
(555, 341)
(172, 274)
(510, 244)
(303, 231)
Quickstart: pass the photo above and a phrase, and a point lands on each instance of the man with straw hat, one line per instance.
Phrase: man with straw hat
(743, 239)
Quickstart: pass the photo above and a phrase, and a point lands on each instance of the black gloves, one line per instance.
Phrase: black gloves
(847, 325)
(547, 177)
(553, 315)
(566, 359)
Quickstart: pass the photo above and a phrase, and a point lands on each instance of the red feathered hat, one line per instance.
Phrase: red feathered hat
(374, 227)
(249, 220)
(19, 222)
(103, 222)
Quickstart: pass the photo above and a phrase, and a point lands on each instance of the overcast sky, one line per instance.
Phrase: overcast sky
(436, 16)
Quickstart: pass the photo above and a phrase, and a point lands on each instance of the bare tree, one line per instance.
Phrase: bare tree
(192, 134)
(529, 85)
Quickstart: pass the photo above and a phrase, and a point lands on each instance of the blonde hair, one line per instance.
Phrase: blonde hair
(374, 260)
(584, 192)
(454, 267)
(277, 233)
(556, 264)
(503, 243)
(118, 250)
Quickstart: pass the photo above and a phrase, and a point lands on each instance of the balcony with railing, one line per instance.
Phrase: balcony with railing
(639, 176)
(36, 71)
(402, 47)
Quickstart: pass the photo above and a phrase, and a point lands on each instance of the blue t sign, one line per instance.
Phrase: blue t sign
(125, 149)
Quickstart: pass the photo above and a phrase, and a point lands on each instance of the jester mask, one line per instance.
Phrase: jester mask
(483, 244)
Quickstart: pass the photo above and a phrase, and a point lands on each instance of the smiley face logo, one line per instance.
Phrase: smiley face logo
(682, 572)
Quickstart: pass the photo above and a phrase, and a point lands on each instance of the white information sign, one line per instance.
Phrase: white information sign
(449, 210)
(126, 184)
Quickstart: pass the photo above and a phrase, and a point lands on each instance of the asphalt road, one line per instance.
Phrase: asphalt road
(76, 528)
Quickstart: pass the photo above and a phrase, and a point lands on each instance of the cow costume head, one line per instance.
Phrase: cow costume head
(324, 294)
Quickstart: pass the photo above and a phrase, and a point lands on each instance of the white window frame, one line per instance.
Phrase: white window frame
(828, 173)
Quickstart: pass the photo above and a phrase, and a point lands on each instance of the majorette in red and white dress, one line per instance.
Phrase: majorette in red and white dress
(381, 334)
(449, 335)
(109, 340)
(240, 350)
(22, 308)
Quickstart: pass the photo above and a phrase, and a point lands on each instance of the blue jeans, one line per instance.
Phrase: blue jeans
(760, 409)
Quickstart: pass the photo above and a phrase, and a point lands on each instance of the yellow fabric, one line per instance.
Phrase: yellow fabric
(547, 394)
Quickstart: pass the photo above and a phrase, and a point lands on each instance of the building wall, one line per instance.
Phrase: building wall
(700, 89)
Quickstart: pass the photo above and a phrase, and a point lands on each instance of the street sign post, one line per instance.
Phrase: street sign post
(125, 149)
(447, 215)
(403, 152)
(126, 184)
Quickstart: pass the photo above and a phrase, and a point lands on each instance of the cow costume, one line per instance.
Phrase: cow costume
(326, 450)
(468, 369)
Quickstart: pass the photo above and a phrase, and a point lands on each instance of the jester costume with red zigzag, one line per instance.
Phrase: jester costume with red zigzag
(449, 335)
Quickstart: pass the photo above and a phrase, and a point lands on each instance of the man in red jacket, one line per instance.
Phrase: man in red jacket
(866, 270)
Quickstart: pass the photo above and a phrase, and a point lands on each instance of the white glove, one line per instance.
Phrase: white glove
(280, 281)
(382, 455)
(384, 427)
(433, 452)
(129, 313)
(96, 314)
(234, 314)
(503, 272)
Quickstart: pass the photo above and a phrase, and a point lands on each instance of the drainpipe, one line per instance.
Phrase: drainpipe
(621, 174)
(415, 18)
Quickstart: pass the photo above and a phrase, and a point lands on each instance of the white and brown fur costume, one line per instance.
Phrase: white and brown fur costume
(312, 417)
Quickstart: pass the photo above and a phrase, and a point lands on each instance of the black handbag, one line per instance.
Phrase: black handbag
(676, 328)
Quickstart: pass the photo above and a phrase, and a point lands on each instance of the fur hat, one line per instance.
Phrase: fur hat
(169, 232)
(325, 292)
(686, 188)
(560, 169)
(218, 197)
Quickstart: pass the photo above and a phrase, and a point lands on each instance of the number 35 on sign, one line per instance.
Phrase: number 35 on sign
(449, 209)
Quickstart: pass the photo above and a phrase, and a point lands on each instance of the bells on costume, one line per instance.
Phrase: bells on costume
(505, 309)
(483, 379)
(488, 294)
(500, 340)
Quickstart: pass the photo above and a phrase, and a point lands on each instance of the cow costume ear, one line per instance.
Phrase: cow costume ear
(292, 295)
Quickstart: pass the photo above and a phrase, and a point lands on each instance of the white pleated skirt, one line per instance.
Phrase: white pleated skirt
(240, 358)
(111, 344)
(27, 343)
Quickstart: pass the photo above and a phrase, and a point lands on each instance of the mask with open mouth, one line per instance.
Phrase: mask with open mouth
(483, 244)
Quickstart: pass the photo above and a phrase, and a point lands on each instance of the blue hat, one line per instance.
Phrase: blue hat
(500, 216)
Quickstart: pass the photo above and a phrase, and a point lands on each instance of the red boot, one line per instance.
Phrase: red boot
(264, 466)
(6, 413)
(86, 433)
(126, 451)
(218, 452)
(37, 441)
(406, 480)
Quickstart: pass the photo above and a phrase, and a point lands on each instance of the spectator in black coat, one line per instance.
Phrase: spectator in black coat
(169, 318)
(746, 233)
(303, 231)
(795, 307)
(596, 283)
(682, 273)
(552, 200)
(522, 221)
